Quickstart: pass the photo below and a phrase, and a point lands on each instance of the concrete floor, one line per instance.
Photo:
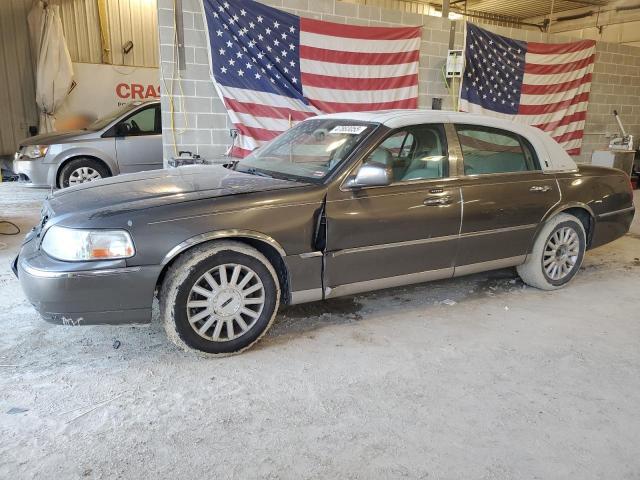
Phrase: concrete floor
(507, 382)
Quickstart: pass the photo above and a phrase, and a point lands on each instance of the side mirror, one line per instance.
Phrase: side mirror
(371, 174)
(123, 129)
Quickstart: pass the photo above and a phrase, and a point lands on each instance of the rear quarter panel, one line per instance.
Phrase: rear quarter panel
(606, 193)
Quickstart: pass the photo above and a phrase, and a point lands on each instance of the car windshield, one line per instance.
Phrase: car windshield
(309, 151)
(112, 116)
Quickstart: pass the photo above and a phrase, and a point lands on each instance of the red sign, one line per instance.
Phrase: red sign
(137, 91)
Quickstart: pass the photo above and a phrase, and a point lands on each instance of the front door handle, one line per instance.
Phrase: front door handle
(437, 201)
(539, 188)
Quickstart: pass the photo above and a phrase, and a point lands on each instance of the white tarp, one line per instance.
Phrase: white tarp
(54, 71)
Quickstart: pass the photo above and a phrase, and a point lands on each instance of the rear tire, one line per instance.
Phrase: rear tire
(219, 298)
(557, 253)
(82, 170)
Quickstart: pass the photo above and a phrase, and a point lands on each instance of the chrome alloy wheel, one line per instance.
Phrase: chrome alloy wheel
(225, 302)
(561, 253)
(82, 175)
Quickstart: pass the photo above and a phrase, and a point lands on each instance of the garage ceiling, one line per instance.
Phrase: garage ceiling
(524, 8)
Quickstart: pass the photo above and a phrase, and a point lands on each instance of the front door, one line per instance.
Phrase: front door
(139, 143)
(402, 233)
(505, 196)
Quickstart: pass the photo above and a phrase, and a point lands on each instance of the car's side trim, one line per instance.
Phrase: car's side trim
(35, 272)
(220, 234)
(387, 282)
(422, 241)
(499, 230)
(306, 296)
(489, 265)
(400, 280)
(616, 212)
(310, 254)
(382, 246)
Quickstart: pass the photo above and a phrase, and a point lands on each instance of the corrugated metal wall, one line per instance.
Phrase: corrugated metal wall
(81, 29)
(17, 91)
(134, 20)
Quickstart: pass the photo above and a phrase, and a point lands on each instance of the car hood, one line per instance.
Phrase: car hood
(55, 137)
(153, 188)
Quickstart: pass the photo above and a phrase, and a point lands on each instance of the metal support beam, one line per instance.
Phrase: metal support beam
(445, 8)
(105, 37)
(179, 23)
(594, 3)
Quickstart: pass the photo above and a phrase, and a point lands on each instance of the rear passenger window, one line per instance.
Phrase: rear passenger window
(491, 150)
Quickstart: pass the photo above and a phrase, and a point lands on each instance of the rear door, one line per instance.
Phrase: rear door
(505, 196)
(402, 233)
(141, 148)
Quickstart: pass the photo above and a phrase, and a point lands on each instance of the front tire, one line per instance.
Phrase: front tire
(82, 170)
(219, 298)
(557, 253)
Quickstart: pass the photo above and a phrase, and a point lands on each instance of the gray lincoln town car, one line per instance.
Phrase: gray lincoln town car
(337, 205)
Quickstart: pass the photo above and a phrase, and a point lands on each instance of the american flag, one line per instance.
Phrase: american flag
(272, 68)
(541, 84)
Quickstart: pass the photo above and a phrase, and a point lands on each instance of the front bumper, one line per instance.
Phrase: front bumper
(34, 171)
(86, 293)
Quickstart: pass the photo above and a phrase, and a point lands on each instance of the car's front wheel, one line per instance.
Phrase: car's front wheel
(82, 170)
(557, 253)
(220, 298)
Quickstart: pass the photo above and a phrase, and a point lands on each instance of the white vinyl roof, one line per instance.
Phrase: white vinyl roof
(552, 156)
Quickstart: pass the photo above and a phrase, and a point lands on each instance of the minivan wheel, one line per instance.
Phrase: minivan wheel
(219, 298)
(82, 170)
(557, 253)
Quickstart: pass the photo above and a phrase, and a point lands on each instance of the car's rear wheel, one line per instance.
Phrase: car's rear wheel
(219, 298)
(82, 170)
(557, 253)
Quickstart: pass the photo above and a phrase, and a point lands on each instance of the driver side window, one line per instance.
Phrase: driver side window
(417, 153)
(143, 122)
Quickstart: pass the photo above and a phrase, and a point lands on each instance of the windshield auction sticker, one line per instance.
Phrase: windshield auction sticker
(350, 129)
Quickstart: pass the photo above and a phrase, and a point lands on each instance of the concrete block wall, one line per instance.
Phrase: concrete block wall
(616, 85)
(200, 123)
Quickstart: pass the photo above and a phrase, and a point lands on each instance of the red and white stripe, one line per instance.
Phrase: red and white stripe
(354, 68)
(555, 91)
(343, 68)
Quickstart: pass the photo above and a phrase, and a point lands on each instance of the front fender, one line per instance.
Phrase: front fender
(68, 153)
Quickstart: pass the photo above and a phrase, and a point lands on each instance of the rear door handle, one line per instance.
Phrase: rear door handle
(539, 188)
(436, 201)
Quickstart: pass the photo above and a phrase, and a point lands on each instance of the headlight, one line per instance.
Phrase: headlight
(35, 151)
(70, 244)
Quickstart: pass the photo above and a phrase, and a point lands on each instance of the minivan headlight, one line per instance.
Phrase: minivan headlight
(35, 151)
(70, 244)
